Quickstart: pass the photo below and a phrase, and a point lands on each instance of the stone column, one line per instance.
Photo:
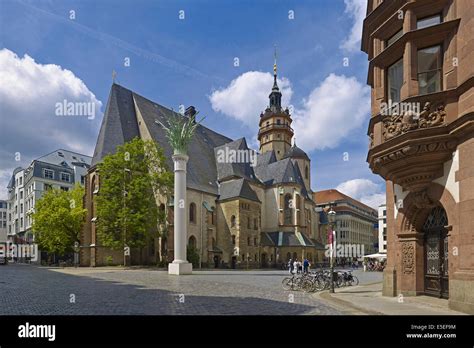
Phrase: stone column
(180, 265)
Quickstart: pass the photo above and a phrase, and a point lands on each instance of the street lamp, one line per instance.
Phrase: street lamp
(332, 220)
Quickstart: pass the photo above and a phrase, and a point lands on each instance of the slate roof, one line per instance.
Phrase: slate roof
(237, 188)
(120, 125)
(241, 167)
(66, 158)
(282, 239)
(296, 152)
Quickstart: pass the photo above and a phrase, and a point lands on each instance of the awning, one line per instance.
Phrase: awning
(376, 256)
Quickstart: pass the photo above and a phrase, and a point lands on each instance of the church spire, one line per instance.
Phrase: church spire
(275, 85)
(275, 95)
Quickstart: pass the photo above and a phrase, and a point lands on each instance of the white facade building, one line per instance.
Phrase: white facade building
(382, 228)
(59, 169)
(3, 221)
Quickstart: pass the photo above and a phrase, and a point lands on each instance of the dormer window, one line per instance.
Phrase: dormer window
(60, 154)
(65, 177)
(48, 174)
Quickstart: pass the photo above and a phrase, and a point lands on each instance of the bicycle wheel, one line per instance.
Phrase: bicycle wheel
(355, 280)
(307, 285)
(287, 283)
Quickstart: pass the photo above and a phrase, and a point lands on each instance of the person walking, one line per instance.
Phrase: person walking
(305, 265)
(295, 265)
(290, 266)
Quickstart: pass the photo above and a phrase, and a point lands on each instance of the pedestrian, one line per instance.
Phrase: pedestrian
(295, 266)
(290, 266)
(305, 265)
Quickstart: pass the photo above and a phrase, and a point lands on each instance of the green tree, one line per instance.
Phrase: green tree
(192, 254)
(130, 181)
(58, 220)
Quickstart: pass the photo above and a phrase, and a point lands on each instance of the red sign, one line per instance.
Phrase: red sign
(330, 236)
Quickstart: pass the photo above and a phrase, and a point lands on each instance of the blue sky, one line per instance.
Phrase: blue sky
(190, 61)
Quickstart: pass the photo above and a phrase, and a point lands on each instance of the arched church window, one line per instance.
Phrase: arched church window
(288, 215)
(192, 213)
(192, 242)
(306, 172)
(232, 221)
(233, 239)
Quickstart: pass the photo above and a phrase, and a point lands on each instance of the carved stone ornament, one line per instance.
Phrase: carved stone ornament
(421, 200)
(398, 124)
(371, 138)
(408, 257)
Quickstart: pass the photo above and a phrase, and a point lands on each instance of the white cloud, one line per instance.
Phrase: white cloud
(363, 190)
(28, 124)
(356, 9)
(247, 95)
(334, 109)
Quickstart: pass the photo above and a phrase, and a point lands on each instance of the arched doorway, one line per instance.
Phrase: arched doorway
(436, 253)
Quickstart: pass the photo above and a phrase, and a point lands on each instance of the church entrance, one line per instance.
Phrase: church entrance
(436, 254)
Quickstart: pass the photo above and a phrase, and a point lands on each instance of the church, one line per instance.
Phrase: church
(241, 214)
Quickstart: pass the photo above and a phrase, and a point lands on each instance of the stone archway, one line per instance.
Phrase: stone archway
(407, 260)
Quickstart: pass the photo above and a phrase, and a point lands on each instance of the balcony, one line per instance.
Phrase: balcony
(410, 147)
(275, 126)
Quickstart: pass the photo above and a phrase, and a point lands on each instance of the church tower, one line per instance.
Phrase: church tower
(275, 132)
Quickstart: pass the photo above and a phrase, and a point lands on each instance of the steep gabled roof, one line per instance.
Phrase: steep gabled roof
(119, 124)
(238, 167)
(238, 188)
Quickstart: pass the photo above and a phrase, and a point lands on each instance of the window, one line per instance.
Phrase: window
(394, 81)
(48, 187)
(232, 221)
(21, 208)
(83, 179)
(192, 242)
(393, 38)
(306, 172)
(48, 174)
(248, 240)
(248, 223)
(233, 239)
(255, 242)
(255, 224)
(429, 70)
(192, 213)
(21, 180)
(428, 21)
(21, 194)
(278, 121)
(64, 188)
(288, 210)
(65, 177)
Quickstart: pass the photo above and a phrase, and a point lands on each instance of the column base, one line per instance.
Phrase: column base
(180, 268)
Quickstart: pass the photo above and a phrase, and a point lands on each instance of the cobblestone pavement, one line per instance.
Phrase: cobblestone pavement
(33, 290)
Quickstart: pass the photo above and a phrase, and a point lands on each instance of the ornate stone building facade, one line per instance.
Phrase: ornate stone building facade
(246, 209)
(421, 72)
